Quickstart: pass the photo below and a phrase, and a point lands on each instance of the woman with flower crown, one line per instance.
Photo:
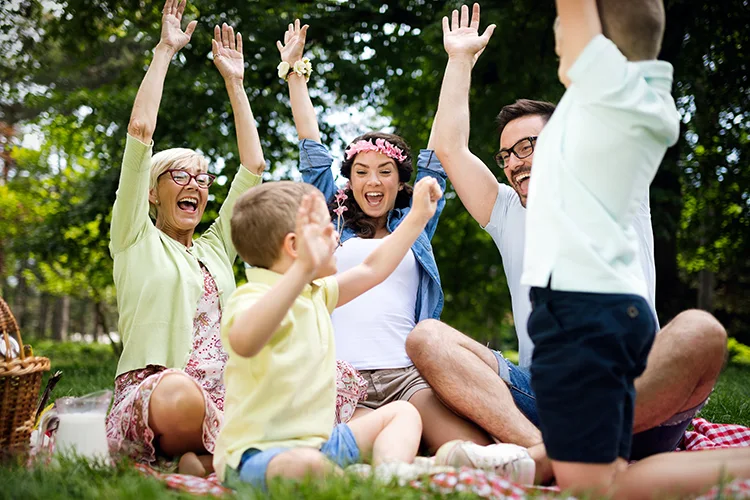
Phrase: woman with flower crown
(371, 330)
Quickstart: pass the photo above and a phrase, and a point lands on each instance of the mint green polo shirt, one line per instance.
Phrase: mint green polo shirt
(593, 164)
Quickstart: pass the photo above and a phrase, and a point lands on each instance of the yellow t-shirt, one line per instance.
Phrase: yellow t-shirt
(285, 396)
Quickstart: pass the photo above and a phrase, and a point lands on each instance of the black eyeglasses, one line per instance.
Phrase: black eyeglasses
(182, 178)
(522, 149)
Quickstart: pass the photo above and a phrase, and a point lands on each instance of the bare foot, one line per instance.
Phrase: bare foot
(196, 465)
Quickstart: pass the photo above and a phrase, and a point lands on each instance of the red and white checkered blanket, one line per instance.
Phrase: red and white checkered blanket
(705, 435)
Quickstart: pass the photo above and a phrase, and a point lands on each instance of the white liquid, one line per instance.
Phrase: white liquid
(83, 434)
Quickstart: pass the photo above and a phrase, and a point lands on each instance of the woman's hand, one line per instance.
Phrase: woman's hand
(227, 51)
(294, 43)
(172, 36)
(426, 194)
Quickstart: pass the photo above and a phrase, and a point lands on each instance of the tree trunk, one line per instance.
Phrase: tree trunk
(706, 285)
(101, 319)
(19, 304)
(44, 313)
(61, 322)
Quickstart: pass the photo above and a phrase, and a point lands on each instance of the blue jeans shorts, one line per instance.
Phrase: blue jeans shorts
(341, 448)
(663, 438)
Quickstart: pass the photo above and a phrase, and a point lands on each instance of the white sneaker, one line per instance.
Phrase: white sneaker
(507, 460)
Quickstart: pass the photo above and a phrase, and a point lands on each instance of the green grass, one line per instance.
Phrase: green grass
(87, 368)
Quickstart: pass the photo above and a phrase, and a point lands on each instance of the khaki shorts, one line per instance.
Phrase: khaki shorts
(391, 384)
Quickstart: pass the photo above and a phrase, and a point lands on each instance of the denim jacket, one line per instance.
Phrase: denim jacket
(315, 166)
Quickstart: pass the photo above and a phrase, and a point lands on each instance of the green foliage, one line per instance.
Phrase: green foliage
(738, 353)
(70, 73)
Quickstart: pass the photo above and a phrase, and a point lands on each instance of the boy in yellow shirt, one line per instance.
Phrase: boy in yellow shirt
(280, 376)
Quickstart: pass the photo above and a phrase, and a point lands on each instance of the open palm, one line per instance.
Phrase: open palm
(171, 31)
(461, 34)
(294, 43)
(314, 234)
(227, 52)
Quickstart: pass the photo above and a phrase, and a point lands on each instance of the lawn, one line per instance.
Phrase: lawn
(87, 368)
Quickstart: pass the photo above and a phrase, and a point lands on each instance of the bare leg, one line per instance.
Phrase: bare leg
(679, 475)
(389, 434)
(196, 465)
(361, 411)
(463, 373)
(667, 475)
(176, 413)
(299, 463)
(440, 424)
(683, 366)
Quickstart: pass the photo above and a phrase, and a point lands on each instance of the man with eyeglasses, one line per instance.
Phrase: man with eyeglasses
(478, 382)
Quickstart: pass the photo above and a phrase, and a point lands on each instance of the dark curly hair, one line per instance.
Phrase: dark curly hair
(354, 217)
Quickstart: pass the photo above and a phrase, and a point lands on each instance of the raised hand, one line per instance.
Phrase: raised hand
(461, 34)
(314, 232)
(424, 201)
(172, 35)
(294, 43)
(227, 52)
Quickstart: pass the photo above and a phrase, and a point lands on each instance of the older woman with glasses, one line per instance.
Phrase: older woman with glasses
(169, 392)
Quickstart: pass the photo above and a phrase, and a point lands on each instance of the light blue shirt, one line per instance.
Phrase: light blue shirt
(594, 162)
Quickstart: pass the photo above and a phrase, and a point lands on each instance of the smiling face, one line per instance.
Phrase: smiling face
(518, 171)
(375, 183)
(179, 209)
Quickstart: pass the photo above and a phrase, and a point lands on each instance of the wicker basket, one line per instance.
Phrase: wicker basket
(20, 379)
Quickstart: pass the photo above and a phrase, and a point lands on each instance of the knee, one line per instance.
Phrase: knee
(176, 403)
(701, 335)
(299, 463)
(423, 339)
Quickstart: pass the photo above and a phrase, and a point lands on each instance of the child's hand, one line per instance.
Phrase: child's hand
(461, 36)
(227, 52)
(294, 43)
(315, 234)
(424, 201)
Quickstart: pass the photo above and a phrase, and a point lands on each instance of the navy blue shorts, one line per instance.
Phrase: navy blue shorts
(661, 439)
(588, 350)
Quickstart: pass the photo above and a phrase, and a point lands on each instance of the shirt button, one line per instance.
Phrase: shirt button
(633, 312)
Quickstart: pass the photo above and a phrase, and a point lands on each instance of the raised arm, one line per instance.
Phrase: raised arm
(146, 106)
(385, 259)
(291, 52)
(473, 180)
(577, 23)
(314, 245)
(130, 220)
(229, 60)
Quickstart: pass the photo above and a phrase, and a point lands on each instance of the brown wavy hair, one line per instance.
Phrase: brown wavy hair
(354, 217)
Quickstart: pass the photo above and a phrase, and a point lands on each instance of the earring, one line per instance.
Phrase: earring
(156, 202)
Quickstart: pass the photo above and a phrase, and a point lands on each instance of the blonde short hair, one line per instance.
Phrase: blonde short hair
(262, 218)
(175, 158)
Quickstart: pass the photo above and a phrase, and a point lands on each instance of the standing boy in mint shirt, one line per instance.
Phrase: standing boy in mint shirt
(591, 324)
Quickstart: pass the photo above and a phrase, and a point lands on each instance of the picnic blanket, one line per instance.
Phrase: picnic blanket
(705, 435)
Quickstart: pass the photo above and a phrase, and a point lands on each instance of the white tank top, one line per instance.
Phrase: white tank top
(371, 330)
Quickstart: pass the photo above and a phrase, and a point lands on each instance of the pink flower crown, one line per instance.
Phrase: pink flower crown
(380, 145)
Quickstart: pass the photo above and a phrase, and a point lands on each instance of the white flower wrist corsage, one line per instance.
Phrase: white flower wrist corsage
(303, 67)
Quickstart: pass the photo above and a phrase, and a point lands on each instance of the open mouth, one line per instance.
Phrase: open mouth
(522, 182)
(374, 199)
(188, 204)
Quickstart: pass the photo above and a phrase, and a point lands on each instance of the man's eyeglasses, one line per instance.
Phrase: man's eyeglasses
(182, 178)
(522, 149)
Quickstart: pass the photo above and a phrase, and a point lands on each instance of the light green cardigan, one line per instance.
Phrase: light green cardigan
(158, 280)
